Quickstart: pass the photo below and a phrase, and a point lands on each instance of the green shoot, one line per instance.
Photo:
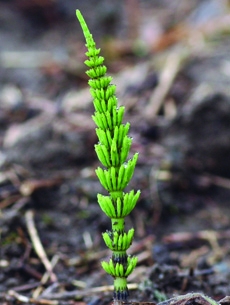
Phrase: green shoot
(112, 151)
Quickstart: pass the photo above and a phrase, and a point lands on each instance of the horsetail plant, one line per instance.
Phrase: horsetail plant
(112, 150)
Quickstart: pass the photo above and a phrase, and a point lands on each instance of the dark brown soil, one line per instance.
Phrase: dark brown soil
(182, 220)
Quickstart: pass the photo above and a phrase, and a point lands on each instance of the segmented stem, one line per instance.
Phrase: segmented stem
(112, 151)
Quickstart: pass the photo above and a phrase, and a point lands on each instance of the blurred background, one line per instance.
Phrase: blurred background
(170, 61)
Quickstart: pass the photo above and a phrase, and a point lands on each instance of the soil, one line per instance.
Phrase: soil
(48, 162)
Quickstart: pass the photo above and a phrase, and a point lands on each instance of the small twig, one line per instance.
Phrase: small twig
(8, 201)
(45, 277)
(38, 245)
(29, 186)
(168, 75)
(31, 271)
(219, 181)
(20, 203)
(225, 300)
(49, 290)
(27, 286)
(54, 261)
(170, 108)
(24, 299)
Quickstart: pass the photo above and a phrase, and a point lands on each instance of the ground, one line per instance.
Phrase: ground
(171, 64)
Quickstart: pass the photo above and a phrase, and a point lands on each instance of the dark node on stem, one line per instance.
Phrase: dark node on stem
(121, 295)
(120, 258)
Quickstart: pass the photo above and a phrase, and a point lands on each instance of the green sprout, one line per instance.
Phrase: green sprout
(112, 150)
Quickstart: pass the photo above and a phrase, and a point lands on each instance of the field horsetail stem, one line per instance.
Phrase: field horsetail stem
(112, 150)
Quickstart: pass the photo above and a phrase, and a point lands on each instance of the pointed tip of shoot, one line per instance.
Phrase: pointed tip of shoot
(78, 14)
(80, 19)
